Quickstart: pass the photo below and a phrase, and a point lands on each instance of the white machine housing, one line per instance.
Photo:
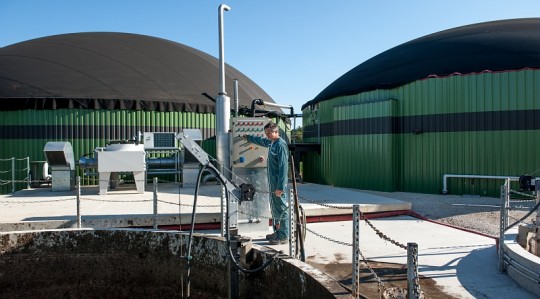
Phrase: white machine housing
(60, 158)
(120, 157)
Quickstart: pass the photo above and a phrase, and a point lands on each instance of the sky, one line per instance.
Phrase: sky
(292, 49)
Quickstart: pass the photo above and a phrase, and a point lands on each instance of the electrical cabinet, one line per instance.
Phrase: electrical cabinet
(249, 166)
(245, 154)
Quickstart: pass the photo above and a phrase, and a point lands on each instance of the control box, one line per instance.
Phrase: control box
(246, 154)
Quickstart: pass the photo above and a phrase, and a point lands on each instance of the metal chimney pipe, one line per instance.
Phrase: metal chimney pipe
(222, 7)
(223, 105)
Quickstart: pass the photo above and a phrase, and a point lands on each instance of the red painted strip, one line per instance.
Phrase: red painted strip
(416, 215)
(335, 218)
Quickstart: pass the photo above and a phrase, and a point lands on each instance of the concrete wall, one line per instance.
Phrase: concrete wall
(141, 263)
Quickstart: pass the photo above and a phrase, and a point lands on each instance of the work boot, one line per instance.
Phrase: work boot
(278, 241)
(271, 236)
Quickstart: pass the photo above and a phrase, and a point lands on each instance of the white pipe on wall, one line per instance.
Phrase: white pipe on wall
(474, 176)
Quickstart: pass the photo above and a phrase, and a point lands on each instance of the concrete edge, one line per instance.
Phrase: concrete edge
(111, 221)
(522, 266)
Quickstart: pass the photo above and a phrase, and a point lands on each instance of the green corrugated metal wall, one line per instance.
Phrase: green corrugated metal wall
(418, 161)
(26, 132)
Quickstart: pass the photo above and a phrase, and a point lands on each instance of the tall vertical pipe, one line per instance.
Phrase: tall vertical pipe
(235, 97)
(222, 7)
(223, 103)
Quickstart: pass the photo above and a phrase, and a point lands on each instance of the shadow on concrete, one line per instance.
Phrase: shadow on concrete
(480, 268)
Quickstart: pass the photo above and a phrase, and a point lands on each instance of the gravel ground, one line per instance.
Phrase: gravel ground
(480, 214)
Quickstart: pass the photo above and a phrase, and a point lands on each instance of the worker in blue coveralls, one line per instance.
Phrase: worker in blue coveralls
(277, 169)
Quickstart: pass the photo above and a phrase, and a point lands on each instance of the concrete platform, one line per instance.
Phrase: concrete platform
(43, 208)
(464, 264)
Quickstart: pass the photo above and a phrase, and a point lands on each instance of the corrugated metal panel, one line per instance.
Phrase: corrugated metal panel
(472, 124)
(25, 133)
(363, 161)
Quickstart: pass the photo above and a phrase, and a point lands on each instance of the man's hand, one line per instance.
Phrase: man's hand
(278, 193)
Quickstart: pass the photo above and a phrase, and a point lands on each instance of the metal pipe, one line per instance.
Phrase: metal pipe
(523, 270)
(245, 221)
(223, 104)
(235, 97)
(222, 7)
(474, 176)
(277, 105)
(270, 104)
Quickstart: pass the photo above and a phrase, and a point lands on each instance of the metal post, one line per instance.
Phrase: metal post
(223, 212)
(234, 289)
(155, 190)
(356, 252)
(12, 174)
(28, 176)
(537, 235)
(413, 281)
(502, 226)
(79, 220)
(292, 225)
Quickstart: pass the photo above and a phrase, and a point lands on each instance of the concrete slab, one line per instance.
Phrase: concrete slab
(174, 202)
(464, 264)
(341, 197)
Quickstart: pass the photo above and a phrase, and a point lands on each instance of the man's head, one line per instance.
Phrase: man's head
(271, 131)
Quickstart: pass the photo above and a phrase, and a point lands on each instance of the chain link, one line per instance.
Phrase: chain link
(380, 283)
(377, 231)
(522, 194)
(328, 238)
(188, 205)
(324, 204)
(114, 200)
(383, 236)
(36, 201)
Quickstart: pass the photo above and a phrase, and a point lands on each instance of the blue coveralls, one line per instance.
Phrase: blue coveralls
(277, 169)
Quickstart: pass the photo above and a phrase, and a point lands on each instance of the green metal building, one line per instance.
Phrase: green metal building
(90, 88)
(464, 101)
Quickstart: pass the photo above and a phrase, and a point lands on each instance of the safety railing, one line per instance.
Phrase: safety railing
(13, 172)
(413, 282)
(359, 258)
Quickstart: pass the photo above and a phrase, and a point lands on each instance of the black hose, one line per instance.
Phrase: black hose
(188, 257)
(231, 255)
(524, 217)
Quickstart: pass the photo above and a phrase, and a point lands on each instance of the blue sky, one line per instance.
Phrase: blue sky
(292, 49)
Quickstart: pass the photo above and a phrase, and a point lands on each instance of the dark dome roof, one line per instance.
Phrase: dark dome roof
(105, 70)
(492, 46)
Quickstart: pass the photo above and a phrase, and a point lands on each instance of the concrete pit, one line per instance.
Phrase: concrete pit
(119, 263)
